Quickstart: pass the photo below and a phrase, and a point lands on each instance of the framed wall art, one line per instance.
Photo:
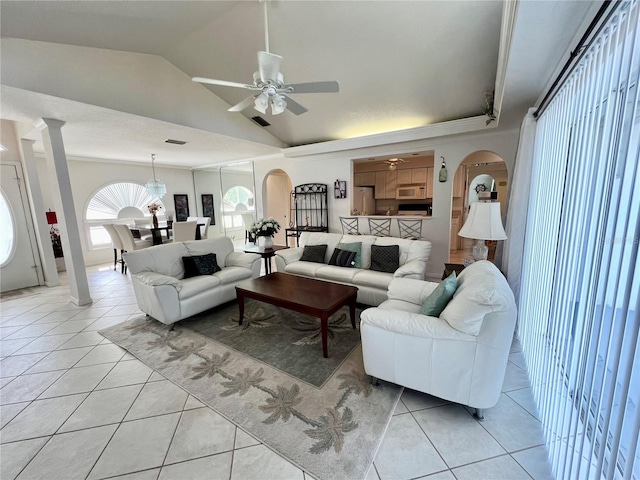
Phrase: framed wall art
(340, 189)
(207, 207)
(181, 204)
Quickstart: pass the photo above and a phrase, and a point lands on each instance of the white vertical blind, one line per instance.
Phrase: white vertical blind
(579, 319)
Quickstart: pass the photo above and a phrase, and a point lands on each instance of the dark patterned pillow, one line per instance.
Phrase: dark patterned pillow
(314, 253)
(385, 258)
(200, 265)
(343, 258)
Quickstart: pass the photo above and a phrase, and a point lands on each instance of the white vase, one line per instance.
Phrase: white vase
(268, 242)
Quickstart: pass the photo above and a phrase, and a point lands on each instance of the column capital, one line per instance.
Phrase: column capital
(49, 123)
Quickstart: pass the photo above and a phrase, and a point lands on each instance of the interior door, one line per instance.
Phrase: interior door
(18, 262)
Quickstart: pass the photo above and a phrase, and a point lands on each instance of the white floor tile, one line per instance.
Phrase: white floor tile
(406, 452)
(498, 468)
(5, 380)
(144, 475)
(136, 445)
(102, 354)
(192, 402)
(60, 360)
(27, 387)
(9, 412)
(69, 456)
(58, 316)
(126, 373)
(201, 432)
(42, 417)
(158, 398)
(199, 469)
(155, 376)
(414, 400)
(243, 439)
(456, 435)
(514, 378)
(71, 326)
(93, 312)
(22, 320)
(124, 309)
(536, 462)
(9, 347)
(33, 331)
(45, 344)
(78, 380)
(260, 463)
(7, 331)
(83, 339)
(400, 408)
(16, 455)
(18, 364)
(103, 407)
(446, 475)
(524, 398)
(105, 322)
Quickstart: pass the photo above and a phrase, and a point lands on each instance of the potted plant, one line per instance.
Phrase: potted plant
(266, 228)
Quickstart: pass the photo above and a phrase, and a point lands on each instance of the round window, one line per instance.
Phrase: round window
(7, 232)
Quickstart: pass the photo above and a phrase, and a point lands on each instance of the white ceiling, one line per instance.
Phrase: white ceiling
(400, 65)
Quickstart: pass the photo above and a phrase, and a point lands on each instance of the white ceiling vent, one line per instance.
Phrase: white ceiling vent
(175, 142)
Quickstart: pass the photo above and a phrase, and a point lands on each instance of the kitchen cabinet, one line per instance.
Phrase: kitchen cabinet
(381, 185)
(403, 177)
(364, 179)
(408, 176)
(458, 182)
(455, 228)
(429, 182)
(390, 184)
(419, 175)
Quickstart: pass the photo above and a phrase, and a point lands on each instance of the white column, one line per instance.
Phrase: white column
(65, 210)
(42, 229)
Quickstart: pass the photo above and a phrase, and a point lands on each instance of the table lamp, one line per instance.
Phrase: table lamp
(483, 223)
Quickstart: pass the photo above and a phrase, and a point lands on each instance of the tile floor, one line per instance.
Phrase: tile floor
(75, 406)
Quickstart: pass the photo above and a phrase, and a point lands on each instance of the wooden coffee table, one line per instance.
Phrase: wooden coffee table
(308, 296)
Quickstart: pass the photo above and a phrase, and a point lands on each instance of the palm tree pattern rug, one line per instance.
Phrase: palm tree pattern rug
(330, 425)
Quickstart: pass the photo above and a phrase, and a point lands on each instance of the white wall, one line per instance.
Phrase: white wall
(326, 168)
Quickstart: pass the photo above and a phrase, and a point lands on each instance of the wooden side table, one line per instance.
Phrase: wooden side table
(266, 253)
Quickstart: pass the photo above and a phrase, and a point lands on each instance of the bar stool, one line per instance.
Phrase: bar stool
(349, 225)
(380, 227)
(410, 228)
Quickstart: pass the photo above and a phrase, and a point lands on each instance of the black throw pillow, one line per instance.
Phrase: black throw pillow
(200, 265)
(343, 258)
(385, 258)
(314, 253)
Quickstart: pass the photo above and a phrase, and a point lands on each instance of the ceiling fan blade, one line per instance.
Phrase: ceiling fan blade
(314, 87)
(294, 106)
(269, 66)
(247, 102)
(224, 83)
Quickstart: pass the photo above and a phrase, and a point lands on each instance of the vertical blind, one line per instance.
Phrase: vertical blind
(579, 302)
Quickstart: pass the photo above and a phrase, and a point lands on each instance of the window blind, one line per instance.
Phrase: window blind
(580, 289)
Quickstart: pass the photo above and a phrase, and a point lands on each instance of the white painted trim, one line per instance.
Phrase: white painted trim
(453, 127)
(509, 13)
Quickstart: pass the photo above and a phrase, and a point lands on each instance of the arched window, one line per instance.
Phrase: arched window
(7, 232)
(113, 202)
(236, 201)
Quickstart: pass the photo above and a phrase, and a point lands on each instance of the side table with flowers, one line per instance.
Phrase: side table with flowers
(266, 228)
(153, 210)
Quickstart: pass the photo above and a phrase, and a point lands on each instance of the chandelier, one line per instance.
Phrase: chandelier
(155, 187)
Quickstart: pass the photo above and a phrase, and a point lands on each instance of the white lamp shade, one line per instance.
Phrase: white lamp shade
(484, 222)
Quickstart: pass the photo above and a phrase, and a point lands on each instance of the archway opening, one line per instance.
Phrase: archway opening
(276, 195)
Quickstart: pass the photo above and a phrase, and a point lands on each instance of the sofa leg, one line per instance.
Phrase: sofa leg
(375, 382)
(479, 414)
(171, 327)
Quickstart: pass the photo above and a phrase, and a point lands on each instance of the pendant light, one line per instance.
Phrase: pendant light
(155, 188)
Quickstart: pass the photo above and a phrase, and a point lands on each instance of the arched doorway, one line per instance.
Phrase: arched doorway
(276, 194)
(479, 171)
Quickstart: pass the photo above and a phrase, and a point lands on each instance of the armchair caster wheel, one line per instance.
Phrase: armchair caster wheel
(375, 382)
(479, 414)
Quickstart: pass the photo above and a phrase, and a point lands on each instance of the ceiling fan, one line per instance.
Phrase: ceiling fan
(394, 162)
(269, 82)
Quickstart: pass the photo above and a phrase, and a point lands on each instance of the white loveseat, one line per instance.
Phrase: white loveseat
(372, 285)
(157, 274)
(460, 356)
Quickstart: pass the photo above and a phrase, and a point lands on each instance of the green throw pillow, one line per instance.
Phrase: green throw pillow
(440, 297)
(353, 247)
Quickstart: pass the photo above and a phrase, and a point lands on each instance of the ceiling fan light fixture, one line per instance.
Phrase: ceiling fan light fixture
(278, 104)
(262, 103)
(392, 166)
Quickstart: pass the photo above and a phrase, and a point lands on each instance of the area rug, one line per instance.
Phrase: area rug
(331, 431)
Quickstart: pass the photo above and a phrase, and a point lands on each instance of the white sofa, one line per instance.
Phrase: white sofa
(157, 274)
(460, 356)
(372, 285)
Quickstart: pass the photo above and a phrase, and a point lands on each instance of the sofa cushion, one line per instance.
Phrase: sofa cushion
(337, 274)
(409, 249)
(435, 303)
(164, 259)
(480, 291)
(343, 258)
(200, 265)
(308, 269)
(221, 246)
(232, 274)
(314, 253)
(392, 304)
(195, 285)
(365, 250)
(385, 258)
(355, 247)
(321, 238)
(371, 278)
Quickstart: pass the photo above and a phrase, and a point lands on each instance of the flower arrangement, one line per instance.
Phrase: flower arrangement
(153, 208)
(267, 227)
(487, 108)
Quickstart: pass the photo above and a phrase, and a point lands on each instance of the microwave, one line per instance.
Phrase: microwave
(411, 192)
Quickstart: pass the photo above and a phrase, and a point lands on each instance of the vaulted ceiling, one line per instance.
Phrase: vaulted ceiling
(121, 69)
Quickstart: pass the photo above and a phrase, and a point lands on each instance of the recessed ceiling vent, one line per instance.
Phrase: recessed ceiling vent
(260, 121)
(175, 142)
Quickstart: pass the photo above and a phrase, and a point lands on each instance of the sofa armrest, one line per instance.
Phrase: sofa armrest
(412, 269)
(410, 290)
(154, 279)
(241, 259)
(411, 324)
(290, 254)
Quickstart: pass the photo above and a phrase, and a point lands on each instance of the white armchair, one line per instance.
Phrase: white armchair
(460, 356)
